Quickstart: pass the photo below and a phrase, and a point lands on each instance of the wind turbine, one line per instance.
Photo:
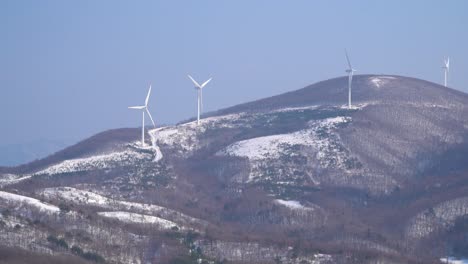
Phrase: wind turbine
(446, 68)
(350, 72)
(199, 95)
(144, 109)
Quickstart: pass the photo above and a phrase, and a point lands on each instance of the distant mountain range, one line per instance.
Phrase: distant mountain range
(20, 153)
(294, 178)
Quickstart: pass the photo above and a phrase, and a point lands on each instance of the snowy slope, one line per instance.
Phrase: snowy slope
(19, 200)
(9, 179)
(270, 146)
(380, 81)
(184, 138)
(293, 205)
(318, 138)
(134, 218)
(83, 197)
(106, 161)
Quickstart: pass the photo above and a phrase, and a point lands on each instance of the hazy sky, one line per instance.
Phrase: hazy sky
(70, 69)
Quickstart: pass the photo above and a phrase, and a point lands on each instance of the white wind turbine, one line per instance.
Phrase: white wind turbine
(199, 89)
(350, 72)
(144, 109)
(446, 68)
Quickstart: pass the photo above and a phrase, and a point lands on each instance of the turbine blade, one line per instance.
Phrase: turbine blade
(137, 107)
(147, 96)
(148, 112)
(347, 58)
(194, 82)
(205, 83)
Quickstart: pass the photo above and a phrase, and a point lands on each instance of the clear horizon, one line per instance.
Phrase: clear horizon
(69, 70)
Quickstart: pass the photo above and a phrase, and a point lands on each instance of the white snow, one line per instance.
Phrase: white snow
(127, 217)
(381, 80)
(291, 109)
(9, 179)
(357, 106)
(319, 138)
(77, 196)
(105, 161)
(11, 221)
(90, 198)
(291, 204)
(318, 258)
(334, 121)
(184, 138)
(19, 199)
(266, 147)
(156, 148)
(452, 260)
(271, 146)
(224, 120)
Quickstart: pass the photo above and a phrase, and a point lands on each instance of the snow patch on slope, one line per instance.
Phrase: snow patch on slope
(9, 179)
(90, 198)
(293, 205)
(19, 200)
(265, 147)
(452, 260)
(106, 161)
(127, 217)
(319, 138)
(293, 109)
(270, 146)
(381, 80)
(184, 138)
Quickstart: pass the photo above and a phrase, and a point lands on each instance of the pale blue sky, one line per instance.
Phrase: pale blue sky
(69, 69)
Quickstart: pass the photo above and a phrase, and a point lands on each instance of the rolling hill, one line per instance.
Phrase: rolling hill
(294, 178)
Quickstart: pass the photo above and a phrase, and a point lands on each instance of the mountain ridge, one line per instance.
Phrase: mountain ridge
(285, 176)
(338, 96)
(268, 103)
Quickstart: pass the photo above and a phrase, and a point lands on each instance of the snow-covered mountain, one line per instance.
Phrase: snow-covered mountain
(294, 178)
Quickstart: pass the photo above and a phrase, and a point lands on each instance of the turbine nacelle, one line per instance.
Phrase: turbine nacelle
(197, 85)
(446, 64)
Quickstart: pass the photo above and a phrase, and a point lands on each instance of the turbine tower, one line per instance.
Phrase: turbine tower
(144, 109)
(199, 89)
(350, 72)
(446, 68)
